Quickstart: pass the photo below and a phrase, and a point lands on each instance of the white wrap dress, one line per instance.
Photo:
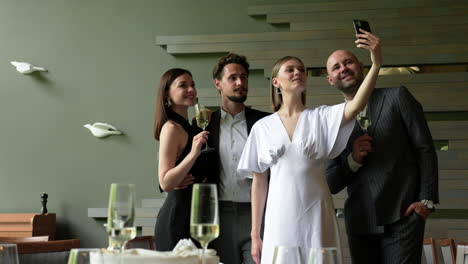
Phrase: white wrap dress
(299, 207)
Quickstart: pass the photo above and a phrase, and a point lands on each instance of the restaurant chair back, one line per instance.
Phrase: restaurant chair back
(462, 253)
(50, 252)
(24, 239)
(448, 249)
(430, 251)
(145, 242)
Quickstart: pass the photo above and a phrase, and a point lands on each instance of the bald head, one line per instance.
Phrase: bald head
(345, 71)
(338, 54)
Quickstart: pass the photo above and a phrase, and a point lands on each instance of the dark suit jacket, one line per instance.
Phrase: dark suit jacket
(401, 170)
(251, 116)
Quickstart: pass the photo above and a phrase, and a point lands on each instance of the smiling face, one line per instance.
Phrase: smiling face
(234, 83)
(291, 77)
(182, 91)
(344, 71)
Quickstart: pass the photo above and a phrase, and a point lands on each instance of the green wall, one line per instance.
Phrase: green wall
(103, 66)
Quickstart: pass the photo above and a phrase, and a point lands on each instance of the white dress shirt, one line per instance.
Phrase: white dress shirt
(234, 186)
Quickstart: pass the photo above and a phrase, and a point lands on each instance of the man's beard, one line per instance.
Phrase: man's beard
(237, 99)
(349, 89)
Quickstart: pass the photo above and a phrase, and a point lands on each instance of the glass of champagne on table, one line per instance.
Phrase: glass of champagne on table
(202, 116)
(121, 216)
(204, 218)
(286, 255)
(324, 255)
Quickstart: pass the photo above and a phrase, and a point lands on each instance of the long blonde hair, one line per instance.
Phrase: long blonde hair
(277, 98)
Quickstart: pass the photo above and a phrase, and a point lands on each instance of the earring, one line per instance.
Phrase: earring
(278, 90)
(167, 102)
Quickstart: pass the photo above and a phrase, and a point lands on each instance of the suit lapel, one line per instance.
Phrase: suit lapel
(376, 103)
(249, 119)
(215, 123)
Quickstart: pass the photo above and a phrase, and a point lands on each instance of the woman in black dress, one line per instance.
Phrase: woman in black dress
(179, 148)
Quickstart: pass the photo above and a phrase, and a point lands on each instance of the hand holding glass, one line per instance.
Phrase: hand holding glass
(364, 120)
(204, 218)
(121, 216)
(203, 119)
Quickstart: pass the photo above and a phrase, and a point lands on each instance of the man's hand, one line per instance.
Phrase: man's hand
(187, 181)
(419, 208)
(361, 147)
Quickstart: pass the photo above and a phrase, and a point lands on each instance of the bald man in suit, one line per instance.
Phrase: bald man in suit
(390, 172)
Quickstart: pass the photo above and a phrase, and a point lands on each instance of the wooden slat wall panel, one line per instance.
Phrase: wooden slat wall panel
(338, 5)
(458, 9)
(458, 144)
(318, 44)
(449, 130)
(338, 33)
(382, 23)
(421, 32)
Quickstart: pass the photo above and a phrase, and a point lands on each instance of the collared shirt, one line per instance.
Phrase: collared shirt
(234, 186)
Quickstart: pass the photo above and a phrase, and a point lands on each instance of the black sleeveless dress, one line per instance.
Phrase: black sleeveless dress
(173, 222)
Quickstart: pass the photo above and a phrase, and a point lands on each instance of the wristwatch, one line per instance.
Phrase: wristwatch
(429, 204)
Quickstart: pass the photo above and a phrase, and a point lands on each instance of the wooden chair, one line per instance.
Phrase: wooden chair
(448, 249)
(462, 253)
(28, 225)
(24, 239)
(430, 251)
(145, 242)
(51, 252)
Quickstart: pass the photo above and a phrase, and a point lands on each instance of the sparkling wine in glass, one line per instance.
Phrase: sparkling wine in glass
(364, 120)
(204, 218)
(121, 216)
(286, 255)
(202, 117)
(324, 255)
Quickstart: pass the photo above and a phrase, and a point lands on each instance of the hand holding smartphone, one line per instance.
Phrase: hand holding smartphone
(358, 24)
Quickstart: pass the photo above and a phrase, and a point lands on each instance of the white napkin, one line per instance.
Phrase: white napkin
(186, 247)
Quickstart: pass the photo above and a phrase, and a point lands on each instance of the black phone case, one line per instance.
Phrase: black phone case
(361, 24)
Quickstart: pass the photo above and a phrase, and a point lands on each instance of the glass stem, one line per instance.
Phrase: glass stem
(206, 144)
(204, 248)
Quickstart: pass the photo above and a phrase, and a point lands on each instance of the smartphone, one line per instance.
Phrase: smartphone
(361, 24)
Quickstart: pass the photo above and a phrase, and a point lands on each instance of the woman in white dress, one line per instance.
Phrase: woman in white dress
(291, 146)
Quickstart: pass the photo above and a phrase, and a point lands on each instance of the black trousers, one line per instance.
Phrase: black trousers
(234, 244)
(401, 243)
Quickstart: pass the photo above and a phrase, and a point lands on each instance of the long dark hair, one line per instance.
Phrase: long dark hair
(162, 98)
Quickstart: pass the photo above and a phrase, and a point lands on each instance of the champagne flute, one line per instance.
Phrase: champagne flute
(204, 218)
(364, 120)
(286, 255)
(9, 254)
(203, 119)
(324, 255)
(121, 216)
(85, 256)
